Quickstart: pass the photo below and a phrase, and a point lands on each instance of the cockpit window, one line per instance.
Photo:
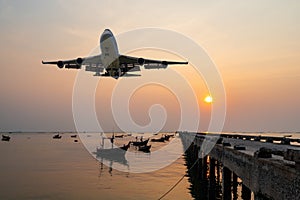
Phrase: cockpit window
(104, 37)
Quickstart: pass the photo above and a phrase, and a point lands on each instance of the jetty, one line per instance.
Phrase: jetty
(268, 167)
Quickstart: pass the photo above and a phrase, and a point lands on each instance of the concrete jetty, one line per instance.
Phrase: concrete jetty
(269, 170)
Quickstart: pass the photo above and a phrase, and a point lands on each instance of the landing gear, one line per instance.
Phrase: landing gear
(115, 73)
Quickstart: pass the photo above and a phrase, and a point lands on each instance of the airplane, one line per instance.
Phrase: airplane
(110, 62)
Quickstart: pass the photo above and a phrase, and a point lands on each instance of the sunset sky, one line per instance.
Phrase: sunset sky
(255, 45)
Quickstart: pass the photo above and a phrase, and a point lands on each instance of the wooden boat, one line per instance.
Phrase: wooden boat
(167, 137)
(171, 135)
(5, 138)
(57, 136)
(139, 143)
(107, 152)
(113, 154)
(125, 147)
(162, 139)
(145, 148)
(119, 136)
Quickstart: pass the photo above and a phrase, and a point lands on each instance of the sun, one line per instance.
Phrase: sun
(208, 99)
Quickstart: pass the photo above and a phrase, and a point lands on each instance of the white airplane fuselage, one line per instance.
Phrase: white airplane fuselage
(109, 50)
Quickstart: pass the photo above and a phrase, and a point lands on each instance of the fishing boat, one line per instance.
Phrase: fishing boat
(57, 136)
(139, 143)
(117, 151)
(119, 136)
(110, 152)
(167, 137)
(145, 148)
(5, 138)
(125, 147)
(113, 154)
(162, 139)
(171, 135)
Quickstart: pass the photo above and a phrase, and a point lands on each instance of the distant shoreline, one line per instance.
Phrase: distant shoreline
(225, 132)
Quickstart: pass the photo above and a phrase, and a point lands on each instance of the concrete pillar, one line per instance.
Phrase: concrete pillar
(218, 180)
(195, 152)
(199, 167)
(212, 179)
(203, 179)
(234, 186)
(246, 193)
(204, 168)
(212, 169)
(226, 184)
(218, 171)
(293, 155)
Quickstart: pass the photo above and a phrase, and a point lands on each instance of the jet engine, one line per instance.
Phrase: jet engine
(60, 64)
(79, 61)
(141, 61)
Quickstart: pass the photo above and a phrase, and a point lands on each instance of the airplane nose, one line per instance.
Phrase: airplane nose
(107, 31)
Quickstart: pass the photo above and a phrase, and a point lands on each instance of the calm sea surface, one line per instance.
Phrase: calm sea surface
(35, 166)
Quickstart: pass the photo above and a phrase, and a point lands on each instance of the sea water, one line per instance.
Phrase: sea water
(35, 166)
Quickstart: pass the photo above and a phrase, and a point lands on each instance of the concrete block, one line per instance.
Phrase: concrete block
(238, 147)
(263, 153)
(292, 155)
(226, 144)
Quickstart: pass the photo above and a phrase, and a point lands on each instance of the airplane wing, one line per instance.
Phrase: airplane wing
(126, 64)
(148, 63)
(77, 63)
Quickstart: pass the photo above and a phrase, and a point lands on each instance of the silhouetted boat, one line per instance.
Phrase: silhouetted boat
(73, 136)
(110, 152)
(145, 148)
(5, 138)
(162, 139)
(171, 135)
(167, 137)
(119, 136)
(57, 136)
(113, 154)
(118, 150)
(140, 143)
(125, 147)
